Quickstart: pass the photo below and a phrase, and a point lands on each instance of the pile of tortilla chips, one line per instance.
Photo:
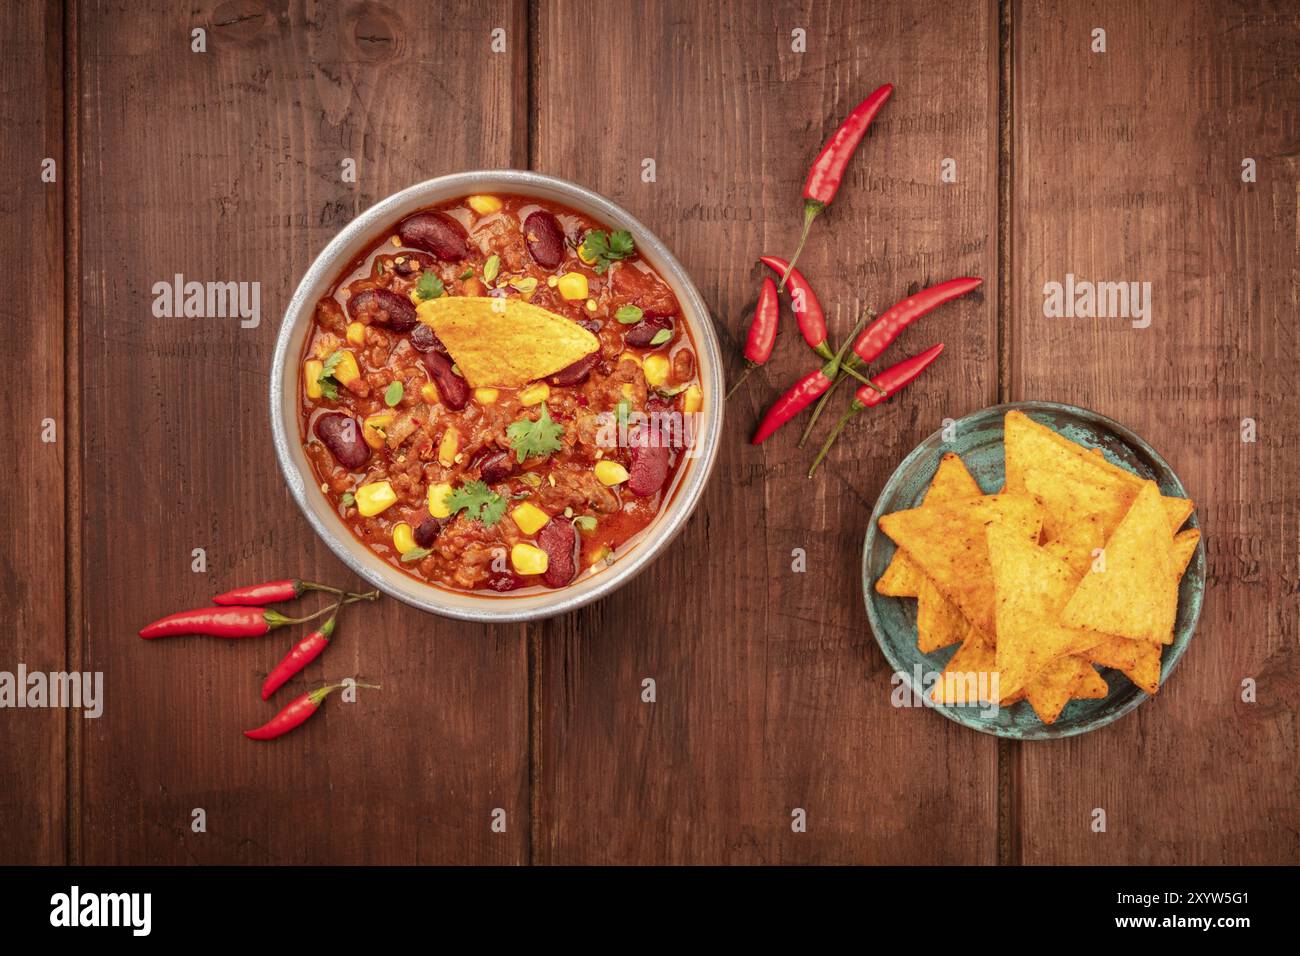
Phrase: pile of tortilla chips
(505, 343)
(1074, 563)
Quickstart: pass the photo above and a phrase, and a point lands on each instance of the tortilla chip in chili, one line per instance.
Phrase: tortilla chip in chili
(505, 343)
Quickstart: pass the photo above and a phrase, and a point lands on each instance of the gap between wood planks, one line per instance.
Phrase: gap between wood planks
(1009, 764)
(73, 651)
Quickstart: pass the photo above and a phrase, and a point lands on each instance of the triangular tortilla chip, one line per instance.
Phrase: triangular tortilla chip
(1136, 596)
(1077, 545)
(951, 480)
(1070, 480)
(1091, 686)
(948, 543)
(505, 343)
(1140, 660)
(939, 622)
(1031, 586)
(1050, 690)
(971, 675)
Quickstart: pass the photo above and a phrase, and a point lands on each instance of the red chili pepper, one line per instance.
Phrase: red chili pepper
(878, 336)
(231, 621)
(803, 303)
(889, 382)
(273, 592)
(802, 394)
(299, 656)
(295, 712)
(828, 168)
(762, 332)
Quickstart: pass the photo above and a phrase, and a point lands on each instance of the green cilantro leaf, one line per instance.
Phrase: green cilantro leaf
(415, 554)
(585, 522)
(393, 394)
(606, 248)
(660, 337)
(329, 385)
(531, 439)
(491, 268)
(348, 499)
(478, 502)
(628, 314)
(429, 286)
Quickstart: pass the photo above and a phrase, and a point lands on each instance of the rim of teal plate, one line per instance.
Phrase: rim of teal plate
(1170, 484)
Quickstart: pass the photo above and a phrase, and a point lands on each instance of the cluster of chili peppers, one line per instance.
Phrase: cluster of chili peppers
(240, 613)
(869, 338)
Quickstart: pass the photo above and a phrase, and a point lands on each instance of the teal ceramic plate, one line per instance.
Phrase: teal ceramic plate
(977, 439)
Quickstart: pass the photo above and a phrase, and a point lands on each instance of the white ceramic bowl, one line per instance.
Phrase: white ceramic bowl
(630, 558)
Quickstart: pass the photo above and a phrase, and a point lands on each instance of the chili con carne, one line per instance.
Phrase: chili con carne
(828, 168)
(762, 332)
(890, 382)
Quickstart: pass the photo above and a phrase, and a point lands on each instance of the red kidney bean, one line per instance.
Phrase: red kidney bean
(412, 262)
(435, 232)
(576, 373)
(341, 434)
(424, 339)
(496, 467)
(384, 308)
(428, 530)
(452, 389)
(643, 333)
(504, 581)
(545, 239)
(649, 465)
(559, 539)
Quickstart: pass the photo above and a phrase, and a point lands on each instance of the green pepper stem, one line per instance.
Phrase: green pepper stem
(749, 367)
(849, 412)
(821, 404)
(811, 209)
(276, 619)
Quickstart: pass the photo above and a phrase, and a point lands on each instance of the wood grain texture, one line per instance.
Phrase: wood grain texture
(1129, 167)
(33, 587)
(772, 694)
(225, 165)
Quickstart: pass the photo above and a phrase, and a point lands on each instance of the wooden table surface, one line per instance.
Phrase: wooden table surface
(772, 694)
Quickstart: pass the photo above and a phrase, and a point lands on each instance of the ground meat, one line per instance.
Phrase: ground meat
(329, 315)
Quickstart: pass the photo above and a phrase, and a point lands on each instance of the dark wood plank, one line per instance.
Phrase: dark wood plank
(772, 693)
(33, 743)
(1128, 167)
(225, 166)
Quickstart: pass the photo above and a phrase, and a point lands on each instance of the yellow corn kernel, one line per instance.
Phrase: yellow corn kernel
(627, 389)
(629, 357)
(438, 500)
(484, 205)
(347, 371)
(610, 473)
(486, 396)
(403, 537)
(429, 392)
(356, 333)
(374, 428)
(311, 372)
(528, 559)
(374, 498)
(448, 447)
(572, 285)
(530, 518)
(585, 256)
(601, 556)
(535, 394)
(656, 369)
(692, 400)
